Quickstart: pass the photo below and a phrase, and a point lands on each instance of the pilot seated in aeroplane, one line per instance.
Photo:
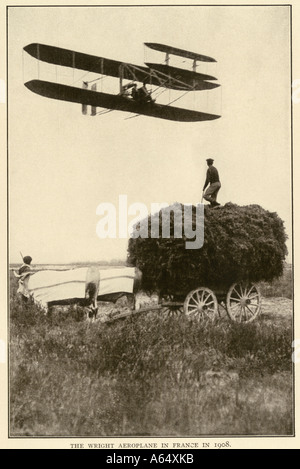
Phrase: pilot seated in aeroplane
(141, 95)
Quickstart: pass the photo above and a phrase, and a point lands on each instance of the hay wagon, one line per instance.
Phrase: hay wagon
(242, 301)
(242, 246)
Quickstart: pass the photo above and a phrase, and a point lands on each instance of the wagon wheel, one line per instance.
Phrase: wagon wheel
(171, 307)
(201, 304)
(243, 302)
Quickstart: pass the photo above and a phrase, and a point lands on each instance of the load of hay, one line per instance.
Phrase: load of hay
(240, 243)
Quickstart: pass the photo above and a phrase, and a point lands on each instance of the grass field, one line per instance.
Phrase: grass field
(280, 287)
(150, 375)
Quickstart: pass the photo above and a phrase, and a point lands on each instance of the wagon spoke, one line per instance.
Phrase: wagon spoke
(246, 314)
(237, 315)
(174, 312)
(249, 309)
(237, 312)
(254, 306)
(253, 296)
(233, 298)
(193, 299)
(250, 290)
(211, 302)
(243, 315)
(200, 299)
(237, 293)
(195, 313)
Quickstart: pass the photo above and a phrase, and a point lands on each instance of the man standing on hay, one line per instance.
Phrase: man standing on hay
(212, 178)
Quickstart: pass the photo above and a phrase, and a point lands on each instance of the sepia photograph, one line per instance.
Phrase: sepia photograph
(150, 226)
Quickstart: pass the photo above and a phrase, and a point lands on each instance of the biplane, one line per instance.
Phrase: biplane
(129, 75)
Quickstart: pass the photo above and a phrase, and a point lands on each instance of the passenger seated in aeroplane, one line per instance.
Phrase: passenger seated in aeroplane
(141, 95)
(125, 90)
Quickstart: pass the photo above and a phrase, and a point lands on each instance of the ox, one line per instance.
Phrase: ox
(82, 286)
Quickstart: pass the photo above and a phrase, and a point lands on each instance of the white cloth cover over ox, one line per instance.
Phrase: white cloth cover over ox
(54, 285)
(116, 280)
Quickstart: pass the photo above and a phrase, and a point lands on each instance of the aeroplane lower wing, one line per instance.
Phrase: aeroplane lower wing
(180, 73)
(115, 102)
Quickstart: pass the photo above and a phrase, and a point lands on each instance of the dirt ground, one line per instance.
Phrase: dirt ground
(277, 309)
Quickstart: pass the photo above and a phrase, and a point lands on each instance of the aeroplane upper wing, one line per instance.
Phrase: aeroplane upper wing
(179, 52)
(101, 65)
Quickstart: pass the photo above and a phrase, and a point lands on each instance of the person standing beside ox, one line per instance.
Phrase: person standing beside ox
(23, 275)
(213, 180)
(25, 267)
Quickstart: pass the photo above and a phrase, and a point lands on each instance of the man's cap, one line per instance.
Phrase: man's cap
(210, 160)
(27, 259)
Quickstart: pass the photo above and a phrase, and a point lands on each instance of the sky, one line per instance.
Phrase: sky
(63, 165)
